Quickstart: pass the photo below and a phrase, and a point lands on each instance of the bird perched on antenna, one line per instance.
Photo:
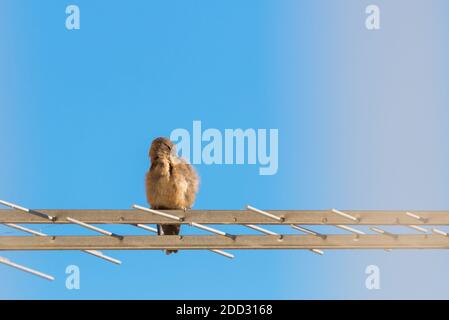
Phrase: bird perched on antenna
(171, 183)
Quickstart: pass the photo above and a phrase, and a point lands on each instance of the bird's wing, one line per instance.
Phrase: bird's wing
(186, 181)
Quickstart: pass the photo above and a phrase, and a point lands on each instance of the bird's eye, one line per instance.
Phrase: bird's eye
(168, 146)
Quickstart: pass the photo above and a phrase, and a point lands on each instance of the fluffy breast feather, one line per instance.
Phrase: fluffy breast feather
(171, 183)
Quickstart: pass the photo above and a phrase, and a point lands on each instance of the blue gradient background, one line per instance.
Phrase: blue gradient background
(362, 119)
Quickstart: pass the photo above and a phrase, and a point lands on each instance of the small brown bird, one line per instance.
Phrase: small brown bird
(171, 183)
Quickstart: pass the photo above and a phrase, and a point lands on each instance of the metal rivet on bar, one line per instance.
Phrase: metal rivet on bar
(20, 208)
(159, 213)
(266, 214)
(91, 227)
(23, 268)
(95, 253)
(346, 215)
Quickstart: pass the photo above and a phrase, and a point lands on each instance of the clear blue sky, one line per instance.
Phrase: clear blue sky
(362, 119)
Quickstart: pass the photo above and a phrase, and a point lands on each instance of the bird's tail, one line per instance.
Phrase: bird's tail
(168, 229)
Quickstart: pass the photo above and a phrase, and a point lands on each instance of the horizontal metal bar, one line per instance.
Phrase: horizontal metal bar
(340, 241)
(305, 217)
(345, 215)
(266, 214)
(93, 228)
(308, 231)
(220, 252)
(157, 212)
(386, 233)
(415, 216)
(95, 253)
